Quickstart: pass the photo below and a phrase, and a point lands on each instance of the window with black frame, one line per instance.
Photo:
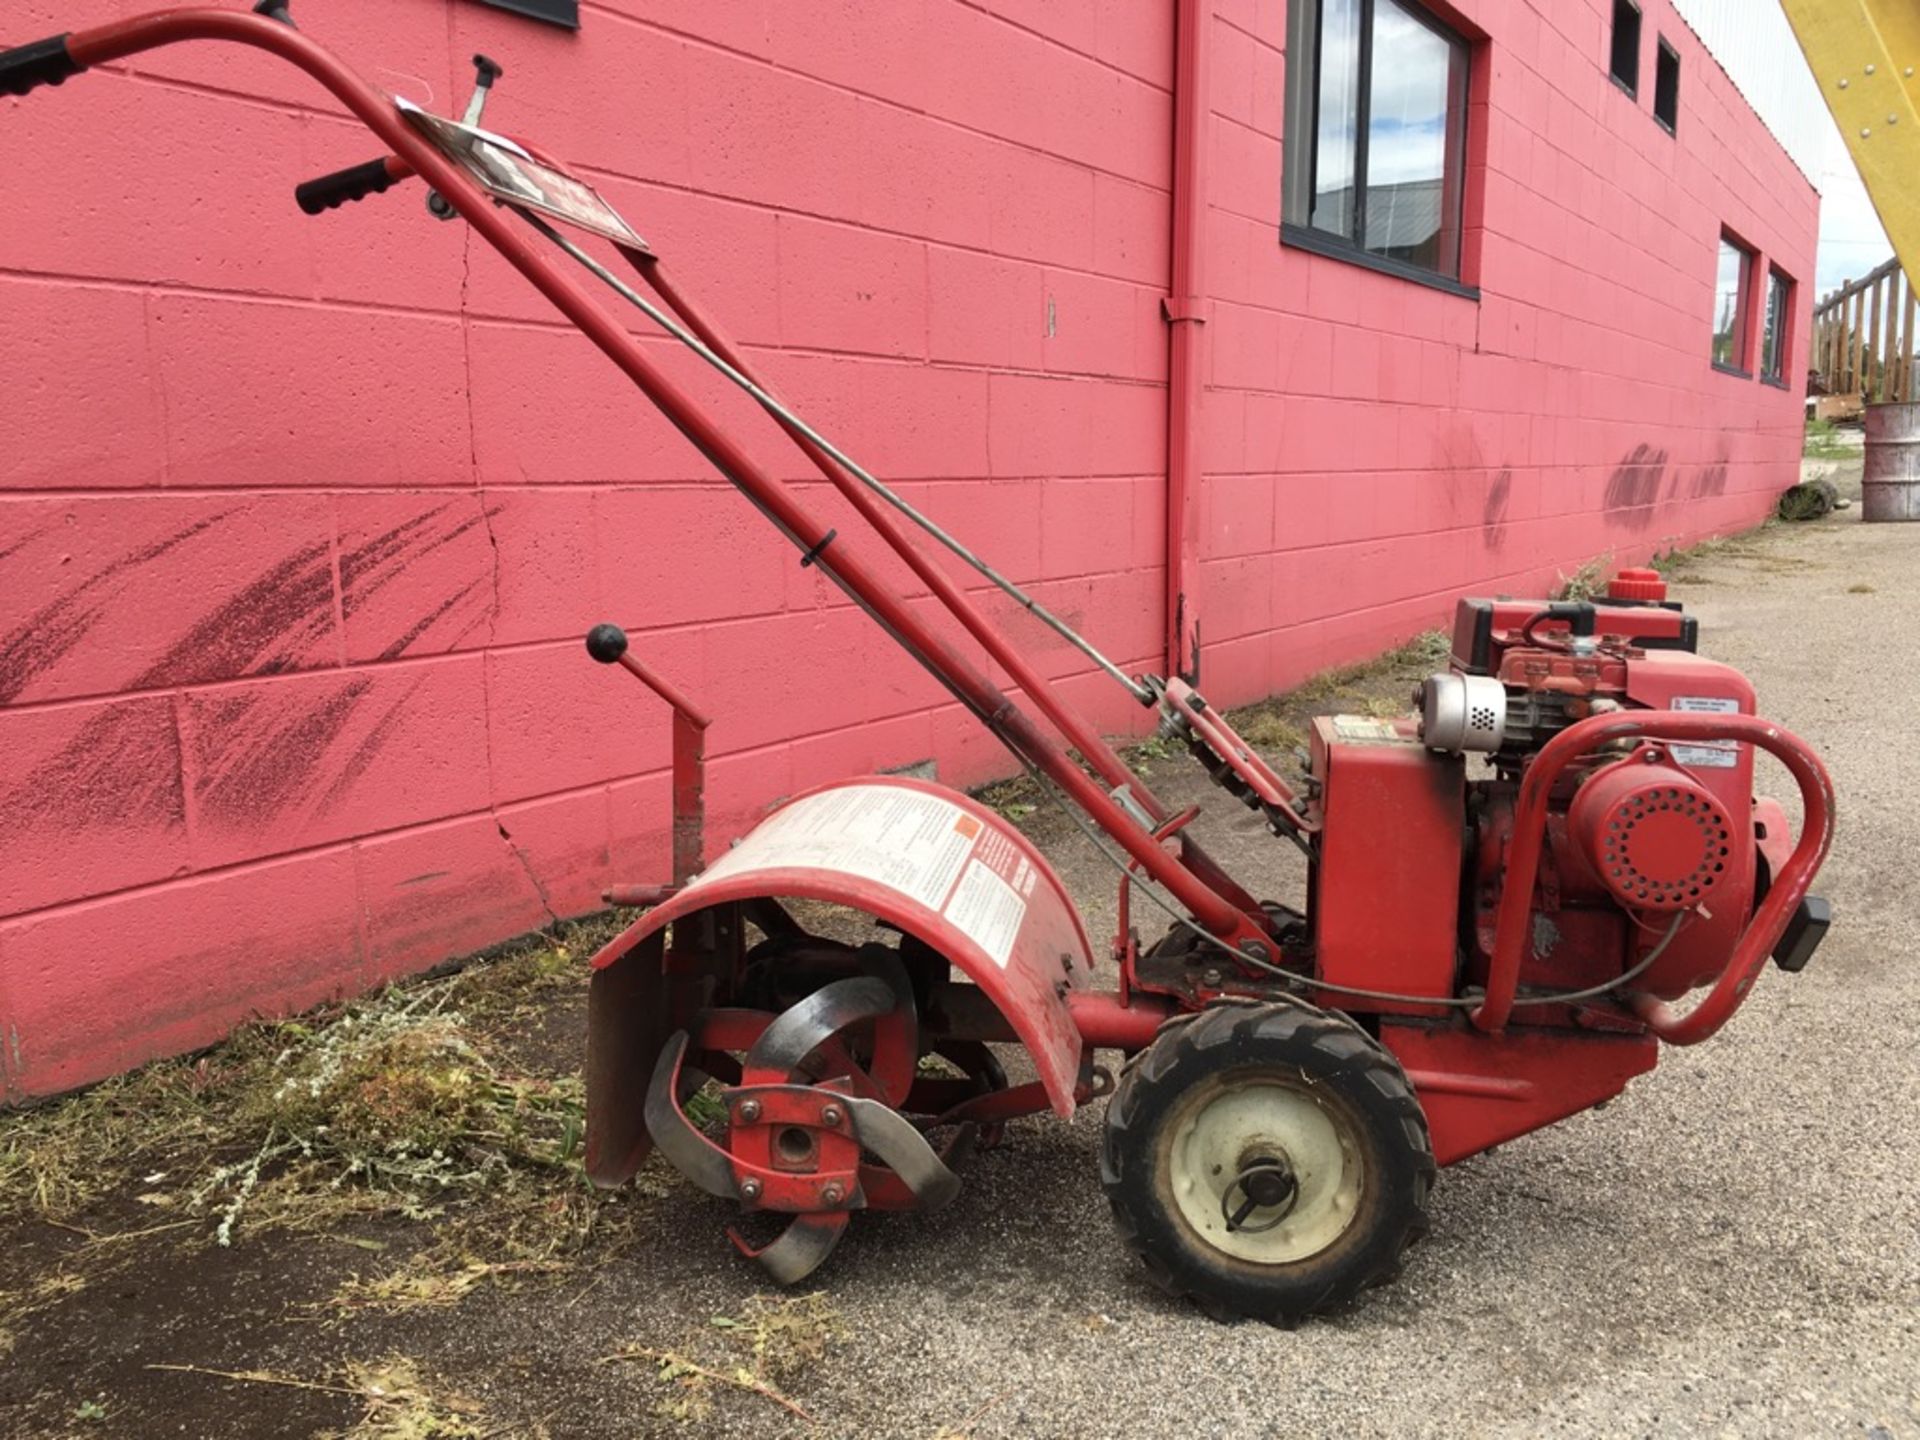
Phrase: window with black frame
(554, 12)
(1773, 345)
(1732, 304)
(1376, 127)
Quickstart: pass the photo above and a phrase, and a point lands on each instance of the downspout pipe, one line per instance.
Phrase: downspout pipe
(1184, 308)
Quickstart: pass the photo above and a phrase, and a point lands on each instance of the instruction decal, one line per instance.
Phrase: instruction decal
(910, 841)
(988, 911)
(1708, 754)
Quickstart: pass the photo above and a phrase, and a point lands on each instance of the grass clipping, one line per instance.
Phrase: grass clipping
(400, 1102)
(396, 1104)
(760, 1352)
(398, 1402)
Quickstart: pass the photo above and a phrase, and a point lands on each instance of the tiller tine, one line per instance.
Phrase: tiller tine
(803, 1112)
(797, 1251)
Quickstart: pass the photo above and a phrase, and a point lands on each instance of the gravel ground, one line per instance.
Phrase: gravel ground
(1733, 1248)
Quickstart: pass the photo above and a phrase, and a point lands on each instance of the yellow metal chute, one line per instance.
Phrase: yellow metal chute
(1864, 53)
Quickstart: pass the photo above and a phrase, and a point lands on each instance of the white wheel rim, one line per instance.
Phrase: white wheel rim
(1230, 1125)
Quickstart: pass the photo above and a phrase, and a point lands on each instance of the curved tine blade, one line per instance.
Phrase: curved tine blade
(798, 1032)
(689, 1152)
(905, 1151)
(960, 1146)
(800, 1248)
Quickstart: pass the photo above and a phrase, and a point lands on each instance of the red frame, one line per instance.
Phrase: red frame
(690, 723)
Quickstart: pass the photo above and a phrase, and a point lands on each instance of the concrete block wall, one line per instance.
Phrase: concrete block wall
(301, 521)
(1377, 447)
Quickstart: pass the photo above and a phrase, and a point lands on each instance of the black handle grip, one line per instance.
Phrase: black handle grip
(44, 62)
(606, 643)
(354, 183)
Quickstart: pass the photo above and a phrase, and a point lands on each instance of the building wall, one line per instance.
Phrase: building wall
(1377, 446)
(301, 520)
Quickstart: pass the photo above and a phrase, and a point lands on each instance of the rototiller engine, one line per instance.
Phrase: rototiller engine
(1507, 892)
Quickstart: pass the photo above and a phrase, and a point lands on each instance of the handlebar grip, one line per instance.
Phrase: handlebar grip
(356, 182)
(44, 62)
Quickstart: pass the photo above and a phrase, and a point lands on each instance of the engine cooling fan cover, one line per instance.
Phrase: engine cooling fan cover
(1656, 837)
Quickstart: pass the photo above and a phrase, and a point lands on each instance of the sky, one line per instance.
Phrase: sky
(1852, 241)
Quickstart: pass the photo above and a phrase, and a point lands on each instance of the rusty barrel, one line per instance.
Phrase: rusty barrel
(1890, 489)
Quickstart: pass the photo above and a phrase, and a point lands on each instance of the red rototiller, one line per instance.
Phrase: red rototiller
(1507, 891)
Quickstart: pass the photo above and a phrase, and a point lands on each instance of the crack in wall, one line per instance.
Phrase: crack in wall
(493, 546)
(539, 888)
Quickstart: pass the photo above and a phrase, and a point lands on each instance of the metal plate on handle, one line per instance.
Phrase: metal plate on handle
(508, 173)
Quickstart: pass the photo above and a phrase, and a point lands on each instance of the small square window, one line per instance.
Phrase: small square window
(1773, 344)
(1732, 304)
(1626, 46)
(1666, 87)
(556, 12)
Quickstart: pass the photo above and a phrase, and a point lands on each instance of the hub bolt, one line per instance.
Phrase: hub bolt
(749, 1111)
(832, 1195)
(749, 1189)
(830, 1115)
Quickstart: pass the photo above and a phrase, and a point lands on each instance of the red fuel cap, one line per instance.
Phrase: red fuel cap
(1636, 583)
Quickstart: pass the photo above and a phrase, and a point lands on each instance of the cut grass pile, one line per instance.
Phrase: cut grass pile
(406, 1104)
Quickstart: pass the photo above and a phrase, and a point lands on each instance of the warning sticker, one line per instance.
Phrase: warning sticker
(987, 910)
(1709, 754)
(1359, 727)
(913, 842)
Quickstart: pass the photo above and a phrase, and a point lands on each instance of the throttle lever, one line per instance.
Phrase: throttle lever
(485, 72)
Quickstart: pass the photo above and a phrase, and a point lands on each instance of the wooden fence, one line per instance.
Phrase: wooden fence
(1864, 338)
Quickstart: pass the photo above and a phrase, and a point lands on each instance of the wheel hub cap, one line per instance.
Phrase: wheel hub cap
(1263, 1170)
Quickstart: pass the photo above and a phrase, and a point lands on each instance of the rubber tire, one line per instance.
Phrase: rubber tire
(1329, 1050)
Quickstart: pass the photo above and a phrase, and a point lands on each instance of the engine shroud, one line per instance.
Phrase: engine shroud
(1653, 835)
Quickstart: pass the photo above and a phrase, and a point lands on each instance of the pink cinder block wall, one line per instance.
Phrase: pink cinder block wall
(301, 521)
(1377, 447)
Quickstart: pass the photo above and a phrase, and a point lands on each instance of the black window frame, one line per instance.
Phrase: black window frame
(1776, 328)
(1666, 87)
(1630, 82)
(1742, 308)
(1351, 247)
(565, 13)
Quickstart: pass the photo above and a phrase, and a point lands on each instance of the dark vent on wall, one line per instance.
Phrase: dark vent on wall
(554, 12)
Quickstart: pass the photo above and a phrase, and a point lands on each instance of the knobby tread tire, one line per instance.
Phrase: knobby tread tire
(1330, 1050)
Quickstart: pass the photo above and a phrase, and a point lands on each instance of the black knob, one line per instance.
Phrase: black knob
(276, 10)
(486, 71)
(606, 643)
